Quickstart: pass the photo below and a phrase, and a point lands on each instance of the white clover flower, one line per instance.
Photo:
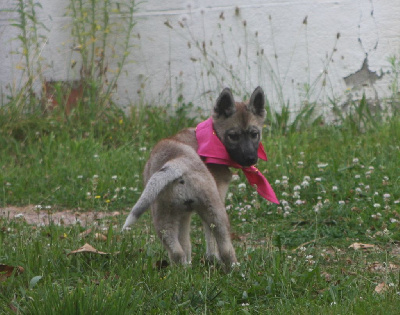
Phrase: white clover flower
(386, 196)
(317, 207)
(377, 205)
(285, 194)
(393, 220)
(142, 149)
(385, 178)
(277, 182)
(322, 165)
(96, 156)
(357, 176)
(114, 177)
(235, 177)
(79, 177)
(242, 186)
(95, 176)
(285, 178)
(305, 184)
(19, 215)
(308, 257)
(371, 168)
(356, 160)
(300, 163)
(341, 202)
(358, 190)
(296, 194)
(307, 178)
(297, 187)
(334, 188)
(286, 214)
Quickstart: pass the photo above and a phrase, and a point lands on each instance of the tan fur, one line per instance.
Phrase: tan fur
(178, 183)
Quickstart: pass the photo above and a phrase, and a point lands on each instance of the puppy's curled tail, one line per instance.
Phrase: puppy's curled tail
(157, 182)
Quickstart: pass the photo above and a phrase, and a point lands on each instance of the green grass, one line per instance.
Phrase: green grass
(333, 183)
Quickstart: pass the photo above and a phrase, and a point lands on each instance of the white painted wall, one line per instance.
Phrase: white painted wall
(299, 40)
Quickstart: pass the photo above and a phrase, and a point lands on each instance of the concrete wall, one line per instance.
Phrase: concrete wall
(298, 51)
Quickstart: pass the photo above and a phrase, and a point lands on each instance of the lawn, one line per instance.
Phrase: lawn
(331, 247)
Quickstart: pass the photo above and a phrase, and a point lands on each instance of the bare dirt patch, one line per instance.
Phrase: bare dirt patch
(32, 215)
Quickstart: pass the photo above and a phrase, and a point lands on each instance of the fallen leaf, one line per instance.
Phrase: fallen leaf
(380, 267)
(381, 288)
(87, 249)
(326, 276)
(6, 271)
(85, 233)
(100, 237)
(361, 246)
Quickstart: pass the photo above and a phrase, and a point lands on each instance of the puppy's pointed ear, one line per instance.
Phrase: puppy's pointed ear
(257, 101)
(225, 105)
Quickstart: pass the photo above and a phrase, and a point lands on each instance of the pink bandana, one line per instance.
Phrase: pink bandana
(213, 151)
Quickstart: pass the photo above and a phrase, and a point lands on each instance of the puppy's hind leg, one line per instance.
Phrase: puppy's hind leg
(215, 217)
(212, 253)
(184, 235)
(167, 227)
(170, 240)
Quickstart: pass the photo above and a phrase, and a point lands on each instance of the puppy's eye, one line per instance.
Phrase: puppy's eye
(233, 137)
(254, 135)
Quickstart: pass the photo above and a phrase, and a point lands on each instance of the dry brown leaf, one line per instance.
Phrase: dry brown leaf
(87, 249)
(6, 271)
(361, 246)
(381, 288)
(100, 237)
(85, 233)
(380, 267)
(326, 276)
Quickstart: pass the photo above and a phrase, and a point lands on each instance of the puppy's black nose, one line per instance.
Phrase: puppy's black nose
(250, 160)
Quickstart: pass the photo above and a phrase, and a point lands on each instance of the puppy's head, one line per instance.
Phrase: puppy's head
(238, 125)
